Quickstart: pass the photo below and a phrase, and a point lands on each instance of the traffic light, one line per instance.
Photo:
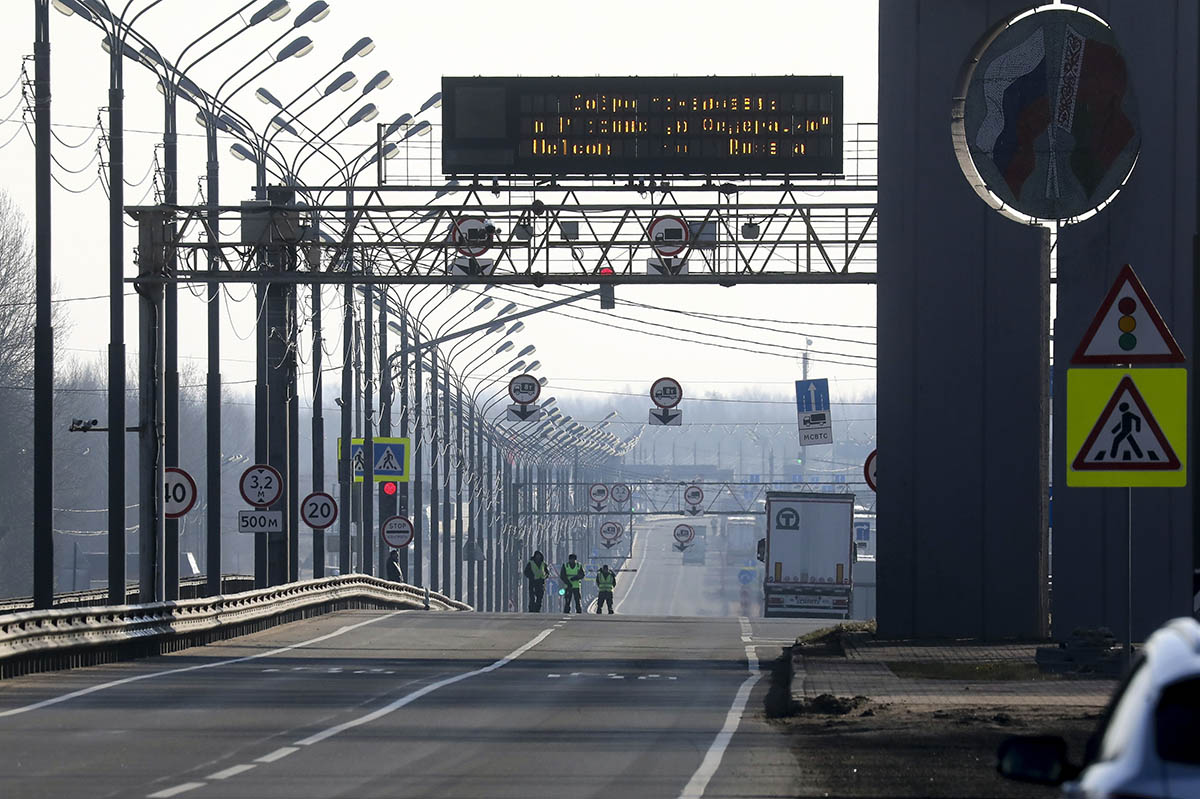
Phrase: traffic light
(1127, 323)
(388, 496)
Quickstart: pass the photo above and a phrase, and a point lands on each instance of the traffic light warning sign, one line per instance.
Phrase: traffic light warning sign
(1127, 329)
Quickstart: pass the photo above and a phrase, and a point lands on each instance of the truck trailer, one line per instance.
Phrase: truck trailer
(809, 552)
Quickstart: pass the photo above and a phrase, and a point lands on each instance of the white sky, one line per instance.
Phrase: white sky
(418, 43)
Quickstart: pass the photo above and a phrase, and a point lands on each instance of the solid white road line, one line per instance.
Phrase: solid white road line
(712, 759)
(636, 574)
(167, 793)
(428, 689)
(114, 683)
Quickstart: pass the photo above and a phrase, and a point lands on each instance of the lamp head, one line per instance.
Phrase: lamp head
(274, 11)
(266, 97)
(364, 114)
(361, 48)
(315, 12)
(344, 82)
(528, 350)
(298, 47)
(381, 81)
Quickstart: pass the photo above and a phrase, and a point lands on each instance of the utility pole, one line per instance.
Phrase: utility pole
(43, 347)
(445, 451)
(434, 508)
(152, 237)
(116, 322)
(280, 354)
(318, 412)
(368, 490)
(419, 450)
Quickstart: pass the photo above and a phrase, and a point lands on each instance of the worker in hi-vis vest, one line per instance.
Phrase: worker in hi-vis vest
(572, 577)
(606, 581)
(536, 571)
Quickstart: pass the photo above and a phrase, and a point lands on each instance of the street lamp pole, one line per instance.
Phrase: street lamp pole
(43, 374)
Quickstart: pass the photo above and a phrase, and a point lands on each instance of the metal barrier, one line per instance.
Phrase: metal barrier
(189, 588)
(48, 640)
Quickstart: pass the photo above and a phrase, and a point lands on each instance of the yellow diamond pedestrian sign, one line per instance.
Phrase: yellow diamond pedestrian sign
(1127, 427)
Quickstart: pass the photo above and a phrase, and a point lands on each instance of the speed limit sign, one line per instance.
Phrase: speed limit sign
(318, 510)
(179, 492)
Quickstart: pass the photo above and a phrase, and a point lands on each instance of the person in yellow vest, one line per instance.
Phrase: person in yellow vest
(606, 581)
(536, 571)
(572, 577)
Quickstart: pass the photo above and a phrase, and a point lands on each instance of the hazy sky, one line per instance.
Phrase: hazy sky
(418, 43)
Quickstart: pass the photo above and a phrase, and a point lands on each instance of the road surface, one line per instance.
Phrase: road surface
(416, 704)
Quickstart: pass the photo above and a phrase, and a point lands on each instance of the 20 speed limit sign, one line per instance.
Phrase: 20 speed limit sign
(179, 492)
(666, 392)
(693, 495)
(261, 485)
(318, 510)
(397, 532)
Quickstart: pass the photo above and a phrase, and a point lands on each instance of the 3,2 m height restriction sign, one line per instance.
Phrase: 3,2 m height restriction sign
(261, 485)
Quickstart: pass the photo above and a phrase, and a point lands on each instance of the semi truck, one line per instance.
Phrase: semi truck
(809, 553)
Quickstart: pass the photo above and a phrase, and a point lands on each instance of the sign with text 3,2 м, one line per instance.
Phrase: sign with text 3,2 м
(1127, 427)
(812, 412)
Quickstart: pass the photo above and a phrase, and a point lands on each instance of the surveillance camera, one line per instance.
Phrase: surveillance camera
(93, 423)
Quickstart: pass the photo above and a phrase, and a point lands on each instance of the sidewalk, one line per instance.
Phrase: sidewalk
(864, 670)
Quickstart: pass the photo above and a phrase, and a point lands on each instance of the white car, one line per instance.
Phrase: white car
(1147, 744)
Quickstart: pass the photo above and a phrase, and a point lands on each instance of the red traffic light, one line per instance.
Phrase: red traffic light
(390, 489)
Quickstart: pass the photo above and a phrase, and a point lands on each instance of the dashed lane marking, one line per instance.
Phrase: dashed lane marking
(278, 754)
(167, 793)
(232, 771)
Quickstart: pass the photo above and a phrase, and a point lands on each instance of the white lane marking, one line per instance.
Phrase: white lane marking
(747, 630)
(166, 793)
(278, 754)
(126, 680)
(428, 689)
(712, 759)
(636, 574)
(553, 676)
(232, 771)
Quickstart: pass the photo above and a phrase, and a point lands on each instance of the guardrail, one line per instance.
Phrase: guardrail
(61, 638)
(189, 588)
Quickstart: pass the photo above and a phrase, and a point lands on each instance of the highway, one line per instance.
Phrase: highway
(415, 704)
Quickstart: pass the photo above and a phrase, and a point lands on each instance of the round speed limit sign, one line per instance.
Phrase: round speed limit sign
(397, 532)
(179, 492)
(318, 510)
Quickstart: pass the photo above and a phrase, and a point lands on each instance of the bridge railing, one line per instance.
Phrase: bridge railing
(189, 588)
(59, 638)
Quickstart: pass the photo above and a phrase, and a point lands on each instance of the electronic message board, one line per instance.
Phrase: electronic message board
(782, 125)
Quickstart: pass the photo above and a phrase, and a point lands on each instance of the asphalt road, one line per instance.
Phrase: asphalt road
(413, 704)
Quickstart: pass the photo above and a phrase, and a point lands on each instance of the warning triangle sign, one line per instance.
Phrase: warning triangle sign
(1126, 437)
(1127, 328)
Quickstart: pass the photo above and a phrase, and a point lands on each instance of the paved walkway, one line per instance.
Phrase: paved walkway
(863, 671)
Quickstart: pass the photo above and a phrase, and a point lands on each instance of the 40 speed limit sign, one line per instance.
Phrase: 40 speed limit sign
(179, 492)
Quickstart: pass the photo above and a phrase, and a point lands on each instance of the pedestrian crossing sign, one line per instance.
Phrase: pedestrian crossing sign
(391, 460)
(1127, 427)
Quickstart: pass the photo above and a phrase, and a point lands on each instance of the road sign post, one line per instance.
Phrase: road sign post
(666, 393)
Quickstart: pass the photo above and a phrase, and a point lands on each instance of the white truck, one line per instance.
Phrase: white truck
(809, 552)
(741, 534)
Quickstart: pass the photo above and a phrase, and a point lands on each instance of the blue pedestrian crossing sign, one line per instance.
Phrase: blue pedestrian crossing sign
(746, 576)
(391, 459)
(813, 414)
